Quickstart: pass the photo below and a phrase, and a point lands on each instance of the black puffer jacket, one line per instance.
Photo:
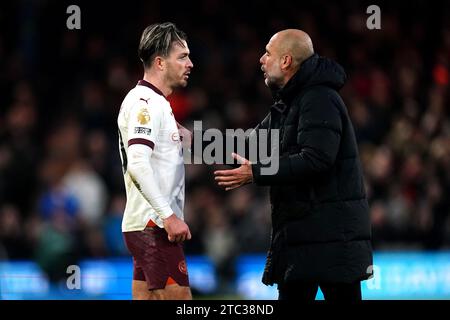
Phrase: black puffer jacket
(321, 228)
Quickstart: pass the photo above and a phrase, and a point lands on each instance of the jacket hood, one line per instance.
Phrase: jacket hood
(315, 70)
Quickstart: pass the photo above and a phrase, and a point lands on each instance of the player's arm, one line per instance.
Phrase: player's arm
(143, 129)
(141, 172)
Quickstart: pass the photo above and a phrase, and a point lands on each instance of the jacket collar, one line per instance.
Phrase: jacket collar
(298, 80)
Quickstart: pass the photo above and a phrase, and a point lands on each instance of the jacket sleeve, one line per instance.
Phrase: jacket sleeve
(318, 137)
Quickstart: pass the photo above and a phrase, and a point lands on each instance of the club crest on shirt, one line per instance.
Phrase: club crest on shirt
(182, 267)
(143, 116)
(175, 136)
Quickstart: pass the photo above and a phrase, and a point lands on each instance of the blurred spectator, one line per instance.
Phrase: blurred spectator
(13, 243)
(221, 246)
(59, 212)
(89, 190)
(54, 250)
(112, 228)
(18, 150)
(251, 220)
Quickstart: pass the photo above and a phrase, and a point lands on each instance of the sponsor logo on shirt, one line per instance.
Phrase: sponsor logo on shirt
(142, 130)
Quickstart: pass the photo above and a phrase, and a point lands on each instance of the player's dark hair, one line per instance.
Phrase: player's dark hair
(157, 39)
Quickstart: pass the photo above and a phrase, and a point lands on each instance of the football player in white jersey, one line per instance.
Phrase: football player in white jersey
(150, 147)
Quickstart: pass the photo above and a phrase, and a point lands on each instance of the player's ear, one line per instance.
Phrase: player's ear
(159, 63)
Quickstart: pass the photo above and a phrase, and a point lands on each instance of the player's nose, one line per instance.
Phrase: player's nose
(190, 65)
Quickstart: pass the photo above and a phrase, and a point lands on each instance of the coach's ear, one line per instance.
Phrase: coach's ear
(285, 61)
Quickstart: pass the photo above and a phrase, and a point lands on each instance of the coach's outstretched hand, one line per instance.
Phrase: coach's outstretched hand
(234, 178)
(177, 229)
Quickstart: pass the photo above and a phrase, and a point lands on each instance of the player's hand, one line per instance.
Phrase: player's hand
(234, 178)
(177, 230)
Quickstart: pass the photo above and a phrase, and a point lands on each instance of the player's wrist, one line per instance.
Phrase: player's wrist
(170, 217)
(165, 212)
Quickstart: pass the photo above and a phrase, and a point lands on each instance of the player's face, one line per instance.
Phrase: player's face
(179, 65)
(271, 66)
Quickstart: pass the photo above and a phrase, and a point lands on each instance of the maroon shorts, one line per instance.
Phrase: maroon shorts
(156, 260)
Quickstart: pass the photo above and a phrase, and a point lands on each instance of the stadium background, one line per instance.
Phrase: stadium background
(61, 184)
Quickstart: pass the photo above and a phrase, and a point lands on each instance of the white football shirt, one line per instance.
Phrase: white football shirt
(146, 118)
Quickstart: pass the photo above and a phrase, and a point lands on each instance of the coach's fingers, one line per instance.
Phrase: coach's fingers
(227, 184)
(171, 238)
(224, 178)
(234, 186)
(228, 172)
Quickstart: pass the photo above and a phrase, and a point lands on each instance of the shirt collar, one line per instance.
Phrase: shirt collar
(149, 85)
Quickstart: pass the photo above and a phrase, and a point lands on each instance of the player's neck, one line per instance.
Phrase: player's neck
(159, 83)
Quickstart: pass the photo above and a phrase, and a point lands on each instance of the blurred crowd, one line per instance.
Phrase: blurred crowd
(61, 184)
